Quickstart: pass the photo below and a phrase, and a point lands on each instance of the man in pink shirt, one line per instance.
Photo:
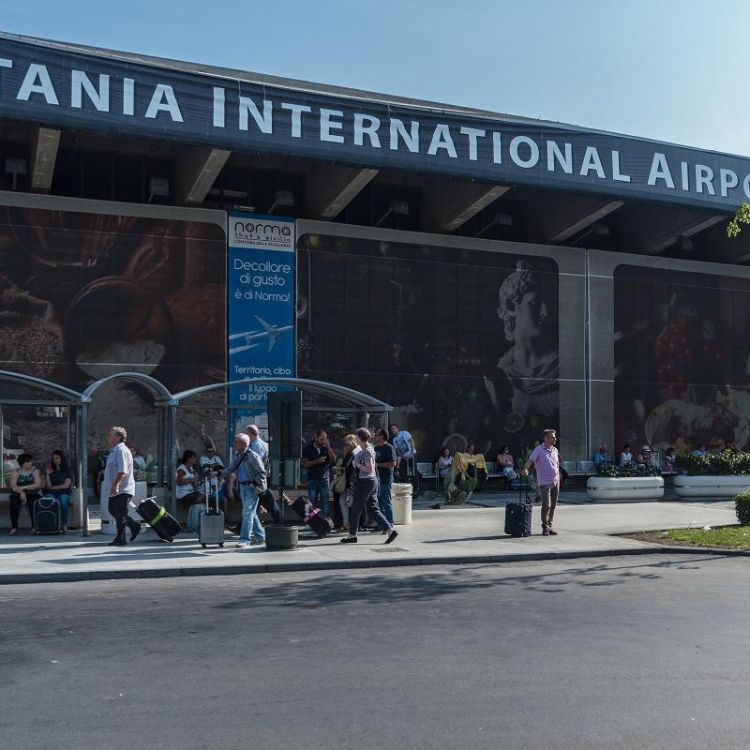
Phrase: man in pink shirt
(546, 460)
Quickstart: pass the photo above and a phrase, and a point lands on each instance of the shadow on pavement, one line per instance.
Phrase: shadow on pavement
(385, 587)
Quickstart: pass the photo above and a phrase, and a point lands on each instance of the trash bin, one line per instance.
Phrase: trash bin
(401, 503)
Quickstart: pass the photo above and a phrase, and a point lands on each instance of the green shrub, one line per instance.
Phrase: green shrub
(629, 470)
(742, 508)
(716, 464)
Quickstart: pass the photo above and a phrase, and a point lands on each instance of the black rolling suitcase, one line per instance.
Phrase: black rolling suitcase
(267, 501)
(156, 516)
(47, 517)
(518, 515)
(313, 517)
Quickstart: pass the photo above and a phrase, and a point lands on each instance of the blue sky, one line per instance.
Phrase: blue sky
(675, 70)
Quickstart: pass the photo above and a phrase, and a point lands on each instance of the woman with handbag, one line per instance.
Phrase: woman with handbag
(338, 487)
(342, 484)
(365, 491)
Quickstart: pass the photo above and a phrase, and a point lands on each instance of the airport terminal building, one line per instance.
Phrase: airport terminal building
(486, 275)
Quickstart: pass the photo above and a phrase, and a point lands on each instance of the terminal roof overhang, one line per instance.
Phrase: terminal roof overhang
(468, 162)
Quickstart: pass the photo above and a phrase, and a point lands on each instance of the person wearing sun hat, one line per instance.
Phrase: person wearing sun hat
(645, 456)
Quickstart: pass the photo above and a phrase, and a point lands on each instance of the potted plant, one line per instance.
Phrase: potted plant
(629, 482)
(723, 474)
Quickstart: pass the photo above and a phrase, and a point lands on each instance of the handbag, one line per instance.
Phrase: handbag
(339, 481)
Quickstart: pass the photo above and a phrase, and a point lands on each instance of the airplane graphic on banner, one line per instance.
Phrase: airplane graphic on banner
(270, 332)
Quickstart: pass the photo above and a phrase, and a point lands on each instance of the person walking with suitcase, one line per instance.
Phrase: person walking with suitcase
(546, 460)
(120, 485)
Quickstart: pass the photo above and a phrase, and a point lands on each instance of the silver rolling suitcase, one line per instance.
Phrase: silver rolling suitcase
(211, 529)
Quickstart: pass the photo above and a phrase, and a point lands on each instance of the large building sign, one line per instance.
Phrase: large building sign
(112, 92)
(261, 294)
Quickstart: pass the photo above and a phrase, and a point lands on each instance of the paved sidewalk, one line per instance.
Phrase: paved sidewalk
(446, 536)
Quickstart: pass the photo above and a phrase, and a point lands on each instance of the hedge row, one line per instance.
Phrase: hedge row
(715, 464)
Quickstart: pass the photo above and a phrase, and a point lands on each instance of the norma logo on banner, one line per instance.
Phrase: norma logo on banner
(261, 234)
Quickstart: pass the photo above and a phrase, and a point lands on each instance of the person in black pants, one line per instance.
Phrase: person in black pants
(366, 490)
(25, 485)
(120, 485)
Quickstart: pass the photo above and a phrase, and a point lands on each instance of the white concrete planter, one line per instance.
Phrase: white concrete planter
(711, 486)
(625, 488)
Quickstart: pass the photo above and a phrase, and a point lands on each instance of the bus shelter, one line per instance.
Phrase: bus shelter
(31, 410)
(319, 398)
(36, 403)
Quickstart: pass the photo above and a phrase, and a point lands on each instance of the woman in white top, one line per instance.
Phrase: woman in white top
(505, 463)
(366, 490)
(187, 480)
(626, 457)
(444, 462)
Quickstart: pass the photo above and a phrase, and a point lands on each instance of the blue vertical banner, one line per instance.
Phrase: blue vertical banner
(262, 309)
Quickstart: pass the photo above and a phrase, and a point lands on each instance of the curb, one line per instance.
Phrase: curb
(8, 579)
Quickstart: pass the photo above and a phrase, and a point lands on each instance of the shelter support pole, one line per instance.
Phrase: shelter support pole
(160, 448)
(82, 468)
(69, 419)
(172, 457)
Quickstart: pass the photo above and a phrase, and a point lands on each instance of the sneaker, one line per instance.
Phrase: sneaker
(256, 542)
(243, 545)
(391, 536)
(117, 543)
(134, 531)
(545, 532)
(552, 532)
(348, 540)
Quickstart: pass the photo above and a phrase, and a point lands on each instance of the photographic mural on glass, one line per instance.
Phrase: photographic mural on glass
(682, 367)
(463, 343)
(85, 295)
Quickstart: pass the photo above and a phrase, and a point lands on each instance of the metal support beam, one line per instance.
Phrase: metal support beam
(331, 189)
(578, 221)
(651, 228)
(686, 230)
(197, 170)
(448, 205)
(44, 145)
(558, 216)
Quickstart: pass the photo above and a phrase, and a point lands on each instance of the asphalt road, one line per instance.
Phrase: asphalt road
(646, 652)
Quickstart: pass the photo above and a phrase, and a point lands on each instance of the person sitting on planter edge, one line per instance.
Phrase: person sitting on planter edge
(601, 458)
(669, 462)
(626, 457)
(645, 457)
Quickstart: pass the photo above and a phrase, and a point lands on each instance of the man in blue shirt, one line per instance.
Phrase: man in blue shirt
(406, 453)
(385, 461)
(257, 444)
(318, 458)
(601, 458)
(260, 447)
(250, 477)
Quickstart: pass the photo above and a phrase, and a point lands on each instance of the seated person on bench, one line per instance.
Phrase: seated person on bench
(187, 481)
(59, 484)
(505, 464)
(25, 485)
